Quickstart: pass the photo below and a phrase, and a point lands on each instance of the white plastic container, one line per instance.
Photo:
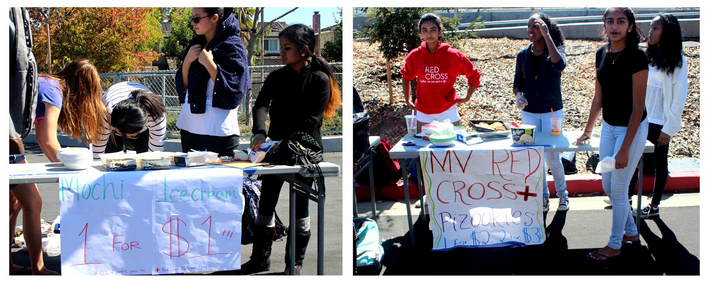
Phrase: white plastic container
(523, 135)
(75, 158)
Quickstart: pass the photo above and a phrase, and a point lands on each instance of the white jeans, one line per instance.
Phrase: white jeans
(615, 183)
(542, 121)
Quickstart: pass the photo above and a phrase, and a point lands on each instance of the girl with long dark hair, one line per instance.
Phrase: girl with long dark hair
(297, 98)
(137, 118)
(621, 78)
(665, 98)
(538, 76)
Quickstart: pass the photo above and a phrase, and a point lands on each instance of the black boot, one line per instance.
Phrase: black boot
(301, 245)
(261, 254)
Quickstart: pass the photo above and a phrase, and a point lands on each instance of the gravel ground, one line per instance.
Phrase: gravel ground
(496, 58)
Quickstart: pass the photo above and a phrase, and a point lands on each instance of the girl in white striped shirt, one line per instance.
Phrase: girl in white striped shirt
(137, 117)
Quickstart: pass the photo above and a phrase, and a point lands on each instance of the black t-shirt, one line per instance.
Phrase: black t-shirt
(535, 62)
(615, 74)
(295, 102)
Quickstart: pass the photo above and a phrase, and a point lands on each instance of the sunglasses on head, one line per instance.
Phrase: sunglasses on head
(197, 19)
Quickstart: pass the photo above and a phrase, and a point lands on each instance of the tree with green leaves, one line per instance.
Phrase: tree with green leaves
(181, 33)
(113, 39)
(333, 50)
(253, 30)
(395, 29)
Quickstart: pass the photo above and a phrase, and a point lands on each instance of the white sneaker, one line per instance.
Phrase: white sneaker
(607, 200)
(545, 204)
(563, 203)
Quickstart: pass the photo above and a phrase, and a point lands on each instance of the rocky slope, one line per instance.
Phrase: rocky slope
(495, 57)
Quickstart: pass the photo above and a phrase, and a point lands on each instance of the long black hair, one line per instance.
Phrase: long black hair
(434, 18)
(634, 36)
(130, 115)
(301, 35)
(554, 30)
(667, 54)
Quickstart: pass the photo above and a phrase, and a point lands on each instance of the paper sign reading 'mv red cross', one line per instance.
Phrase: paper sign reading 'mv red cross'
(484, 198)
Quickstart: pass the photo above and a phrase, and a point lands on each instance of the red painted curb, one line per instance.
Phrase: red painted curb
(576, 184)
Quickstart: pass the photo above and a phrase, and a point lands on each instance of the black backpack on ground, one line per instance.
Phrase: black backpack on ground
(23, 74)
(252, 197)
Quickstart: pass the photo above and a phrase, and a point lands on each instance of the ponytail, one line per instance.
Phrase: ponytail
(302, 35)
(335, 96)
(150, 102)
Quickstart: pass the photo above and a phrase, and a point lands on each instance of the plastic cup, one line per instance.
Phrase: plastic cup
(411, 122)
(557, 125)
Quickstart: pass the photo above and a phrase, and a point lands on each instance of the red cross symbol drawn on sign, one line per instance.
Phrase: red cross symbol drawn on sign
(526, 194)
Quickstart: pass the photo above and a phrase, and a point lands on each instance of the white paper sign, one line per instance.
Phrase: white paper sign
(484, 198)
(151, 222)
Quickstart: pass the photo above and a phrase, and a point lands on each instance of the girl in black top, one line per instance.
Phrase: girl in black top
(621, 77)
(296, 97)
(538, 77)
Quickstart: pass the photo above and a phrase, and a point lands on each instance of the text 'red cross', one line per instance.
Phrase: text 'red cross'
(526, 194)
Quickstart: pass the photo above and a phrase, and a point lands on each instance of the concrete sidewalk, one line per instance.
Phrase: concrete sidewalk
(670, 243)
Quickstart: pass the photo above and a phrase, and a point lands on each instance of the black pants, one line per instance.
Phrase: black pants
(660, 161)
(270, 191)
(223, 145)
(140, 143)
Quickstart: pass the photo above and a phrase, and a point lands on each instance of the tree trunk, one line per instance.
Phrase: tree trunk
(389, 78)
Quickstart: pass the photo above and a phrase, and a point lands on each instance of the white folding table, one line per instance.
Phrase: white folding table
(50, 173)
(564, 142)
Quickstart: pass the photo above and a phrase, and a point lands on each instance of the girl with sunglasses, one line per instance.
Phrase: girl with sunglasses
(621, 78)
(136, 116)
(297, 98)
(212, 81)
(70, 100)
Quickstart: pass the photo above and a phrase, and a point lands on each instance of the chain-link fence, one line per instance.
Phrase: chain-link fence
(163, 84)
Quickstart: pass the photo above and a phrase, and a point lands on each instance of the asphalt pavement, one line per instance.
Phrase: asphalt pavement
(670, 244)
(333, 224)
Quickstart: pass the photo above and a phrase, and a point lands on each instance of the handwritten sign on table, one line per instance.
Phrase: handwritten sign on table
(484, 198)
(151, 222)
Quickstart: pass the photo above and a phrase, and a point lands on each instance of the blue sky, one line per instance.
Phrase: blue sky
(303, 15)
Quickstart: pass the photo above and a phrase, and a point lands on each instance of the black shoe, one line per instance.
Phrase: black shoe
(301, 245)
(648, 212)
(261, 252)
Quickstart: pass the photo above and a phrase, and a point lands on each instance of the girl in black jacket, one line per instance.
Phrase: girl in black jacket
(296, 97)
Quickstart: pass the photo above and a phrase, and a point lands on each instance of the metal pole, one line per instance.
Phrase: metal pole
(291, 231)
(405, 185)
(321, 230)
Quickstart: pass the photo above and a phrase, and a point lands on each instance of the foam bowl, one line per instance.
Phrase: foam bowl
(443, 139)
(75, 158)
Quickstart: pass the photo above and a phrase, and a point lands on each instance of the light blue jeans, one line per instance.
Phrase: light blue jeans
(542, 121)
(615, 183)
